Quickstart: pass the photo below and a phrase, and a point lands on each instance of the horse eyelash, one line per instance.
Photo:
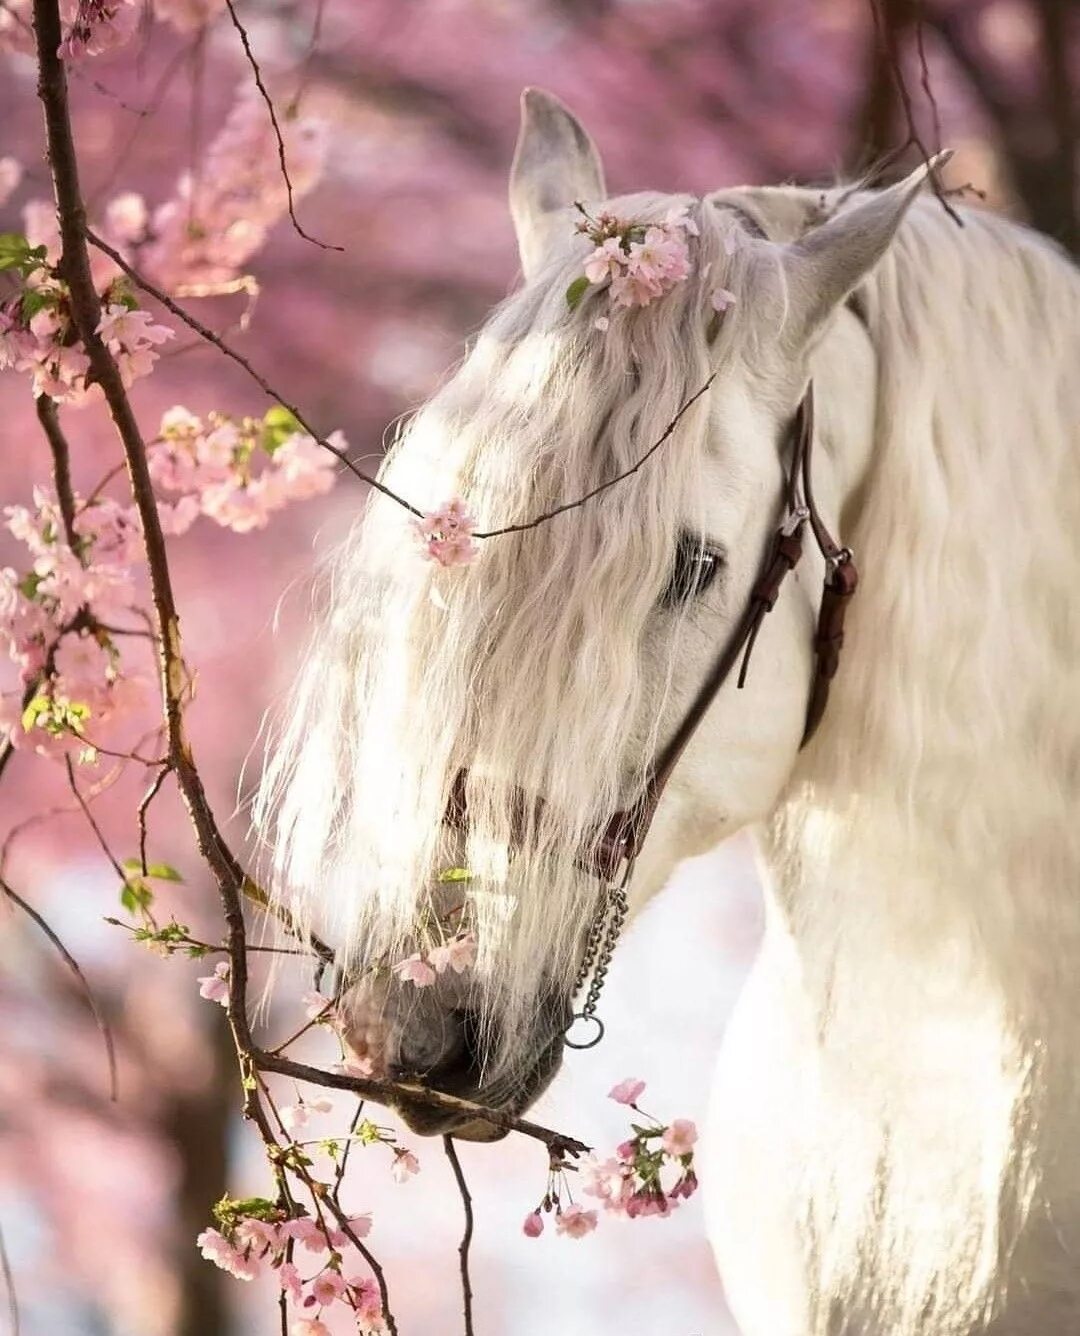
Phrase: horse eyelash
(697, 564)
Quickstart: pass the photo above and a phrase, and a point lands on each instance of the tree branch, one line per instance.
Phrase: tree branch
(466, 1237)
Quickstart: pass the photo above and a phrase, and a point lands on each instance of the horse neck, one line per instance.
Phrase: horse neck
(932, 823)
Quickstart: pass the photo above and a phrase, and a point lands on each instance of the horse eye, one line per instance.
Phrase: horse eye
(695, 569)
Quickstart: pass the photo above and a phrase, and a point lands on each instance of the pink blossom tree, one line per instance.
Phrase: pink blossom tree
(396, 128)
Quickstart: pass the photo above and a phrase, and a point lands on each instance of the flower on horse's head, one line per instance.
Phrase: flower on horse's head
(639, 261)
(447, 534)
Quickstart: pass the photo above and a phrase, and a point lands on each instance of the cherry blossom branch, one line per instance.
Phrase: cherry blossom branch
(84, 985)
(686, 405)
(218, 342)
(466, 1237)
(387, 1092)
(49, 417)
(205, 332)
(232, 882)
(257, 72)
(164, 770)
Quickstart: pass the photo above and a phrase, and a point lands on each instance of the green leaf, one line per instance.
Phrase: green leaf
(136, 896)
(28, 585)
(278, 425)
(455, 874)
(576, 291)
(159, 871)
(14, 250)
(35, 300)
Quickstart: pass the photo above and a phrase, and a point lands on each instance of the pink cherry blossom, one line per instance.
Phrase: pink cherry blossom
(685, 1187)
(327, 1286)
(575, 1221)
(289, 1280)
(606, 261)
(305, 1231)
(294, 1117)
(447, 534)
(315, 1006)
(360, 1225)
(211, 226)
(99, 26)
(215, 987)
(309, 1326)
(459, 954)
(680, 1137)
(217, 1249)
(628, 1091)
(366, 1299)
(405, 1165)
(609, 1180)
(720, 299)
(416, 970)
(533, 1226)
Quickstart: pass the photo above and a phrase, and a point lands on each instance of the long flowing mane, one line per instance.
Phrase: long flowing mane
(524, 667)
(927, 853)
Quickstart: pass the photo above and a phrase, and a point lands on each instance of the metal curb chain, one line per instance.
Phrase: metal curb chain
(604, 932)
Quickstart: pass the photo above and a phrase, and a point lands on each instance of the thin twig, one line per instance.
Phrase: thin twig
(9, 1285)
(611, 482)
(74, 966)
(231, 880)
(61, 454)
(257, 72)
(144, 807)
(85, 806)
(391, 1092)
(887, 37)
(466, 1237)
(219, 343)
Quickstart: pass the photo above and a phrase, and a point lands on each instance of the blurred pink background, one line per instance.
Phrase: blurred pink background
(100, 1203)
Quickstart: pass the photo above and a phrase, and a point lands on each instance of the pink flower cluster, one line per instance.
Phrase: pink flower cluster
(219, 218)
(447, 534)
(639, 261)
(53, 620)
(58, 614)
(97, 26)
(422, 968)
(236, 472)
(648, 1175)
(248, 1246)
(45, 345)
(215, 987)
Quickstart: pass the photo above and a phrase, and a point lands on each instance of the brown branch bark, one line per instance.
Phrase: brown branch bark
(231, 881)
(467, 1233)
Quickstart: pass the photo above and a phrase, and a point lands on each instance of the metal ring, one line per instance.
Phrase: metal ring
(580, 1016)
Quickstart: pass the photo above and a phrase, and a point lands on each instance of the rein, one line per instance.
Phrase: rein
(615, 853)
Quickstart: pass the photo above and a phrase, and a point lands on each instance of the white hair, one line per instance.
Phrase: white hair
(524, 667)
(925, 854)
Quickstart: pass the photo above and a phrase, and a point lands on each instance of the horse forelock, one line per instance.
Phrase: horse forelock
(524, 666)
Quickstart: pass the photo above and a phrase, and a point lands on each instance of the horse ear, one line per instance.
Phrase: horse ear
(555, 163)
(826, 265)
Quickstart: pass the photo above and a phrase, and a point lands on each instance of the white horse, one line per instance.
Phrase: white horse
(894, 1146)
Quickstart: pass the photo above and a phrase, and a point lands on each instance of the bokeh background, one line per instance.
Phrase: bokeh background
(100, 1202)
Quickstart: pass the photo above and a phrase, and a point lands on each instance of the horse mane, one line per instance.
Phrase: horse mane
(925, 854)
(414, 672)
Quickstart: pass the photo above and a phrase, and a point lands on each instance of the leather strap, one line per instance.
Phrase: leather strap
(625, 832)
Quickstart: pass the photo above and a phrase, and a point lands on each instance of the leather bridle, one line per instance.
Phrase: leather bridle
(625, 832)
(612, 858)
